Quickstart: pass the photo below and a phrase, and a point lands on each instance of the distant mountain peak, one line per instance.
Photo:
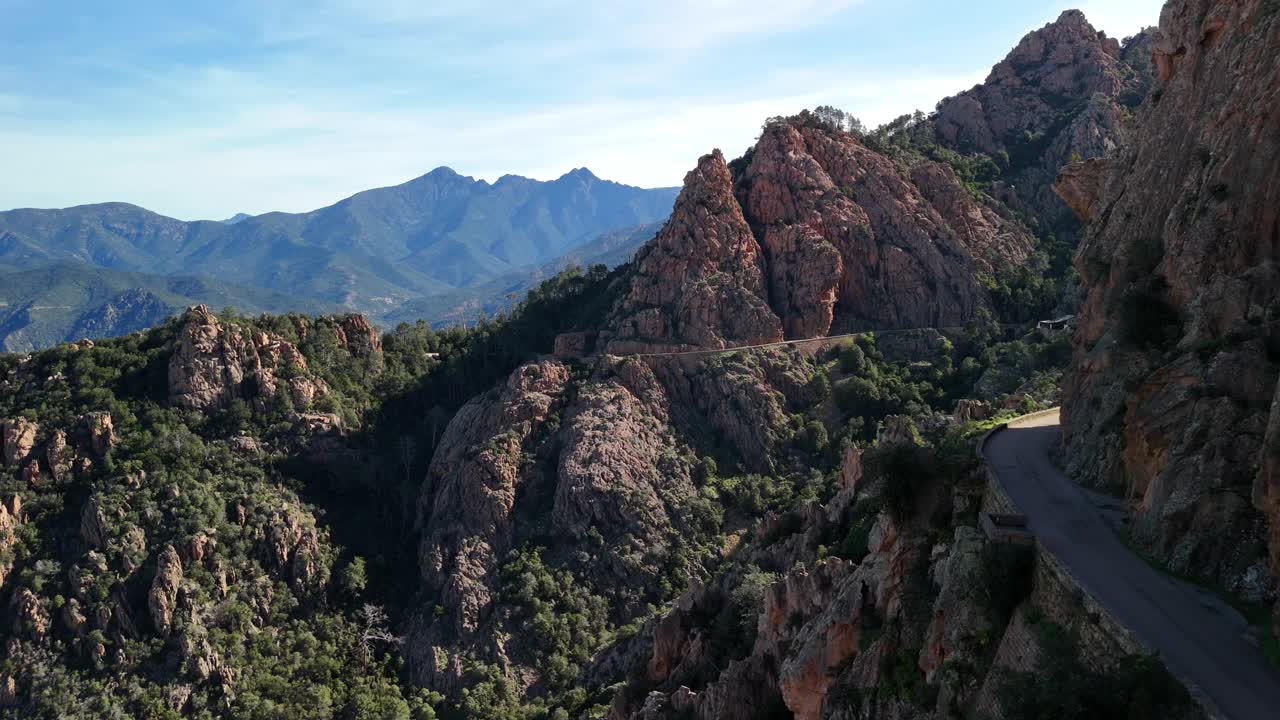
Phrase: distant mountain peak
(236, 218)
(581, 172)
(444, 171)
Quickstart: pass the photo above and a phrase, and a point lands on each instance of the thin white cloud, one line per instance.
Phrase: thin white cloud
(290, 132)
(294, 156)
(536, 32)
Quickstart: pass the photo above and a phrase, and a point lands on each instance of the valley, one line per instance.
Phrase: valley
(790, 441)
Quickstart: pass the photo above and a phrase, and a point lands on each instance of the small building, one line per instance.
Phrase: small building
(1048, 328)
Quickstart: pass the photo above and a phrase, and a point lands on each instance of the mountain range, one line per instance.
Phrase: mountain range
(634, 497)
(442, 235)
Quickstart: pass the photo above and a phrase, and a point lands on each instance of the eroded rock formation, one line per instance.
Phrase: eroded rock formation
(360, 338)
(217, 362)
(604, 457)
(10, 519)
(19, 437)
(162, 599)
(1178, 347)
(1080, 185)
(701, 281)
(1061, 94)
(813, 233)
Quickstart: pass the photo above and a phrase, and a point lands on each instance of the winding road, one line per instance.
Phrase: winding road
(1199, 637)
(824, 340)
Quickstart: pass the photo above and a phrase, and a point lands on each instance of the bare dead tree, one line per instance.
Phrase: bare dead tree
(373, 621)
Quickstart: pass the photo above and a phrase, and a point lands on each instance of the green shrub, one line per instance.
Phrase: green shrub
(1064, 688)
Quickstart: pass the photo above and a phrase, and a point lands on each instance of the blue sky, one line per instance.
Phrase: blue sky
(205, 109)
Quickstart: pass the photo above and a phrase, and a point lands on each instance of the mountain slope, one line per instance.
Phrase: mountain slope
(369, 252)
(68, 301)
(1171, 400)
(811, 233)
(1063, 93)
(209, 518)
(463, 307)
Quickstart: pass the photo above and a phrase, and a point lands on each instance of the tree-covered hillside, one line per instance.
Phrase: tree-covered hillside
(443, 244)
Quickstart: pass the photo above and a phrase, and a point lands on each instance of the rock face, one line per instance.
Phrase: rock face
(162, 600)
(465, 508)
(19, 437)
(1080, 186)
(994, 239)
(887, 252)
(701, 281)
(102, 436)
(218, 362)
(597, 462)
(10, 519)
(821, 639)
(812, 233)
(971, 410)
(1060, 94)
(1177, 352)
(58, 455)
(360, 338)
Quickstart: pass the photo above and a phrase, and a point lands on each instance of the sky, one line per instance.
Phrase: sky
(200, 110)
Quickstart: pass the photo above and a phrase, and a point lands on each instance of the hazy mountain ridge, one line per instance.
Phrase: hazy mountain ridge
(371, 252)
(69, 301)
(611, 249)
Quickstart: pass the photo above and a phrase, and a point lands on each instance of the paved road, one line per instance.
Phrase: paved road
(1199, 637)
(818, 339)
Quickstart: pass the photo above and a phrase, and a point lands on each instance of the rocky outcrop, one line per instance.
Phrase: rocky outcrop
(1177, 351)
(291, 543)
(899, 265)
(10, 520)
(93, 524)
(465, 509)
(898, 430)
(961, 614)
(102, 435)
(162, 599)
(994, 238)
(701, 281)
(359, 338)
(1080, 186)
(818, 641)
(603, 456)
(59, 456)
(31, 617)
(1060, 95)
(968, 410)
(19, 437)
(746, 399)
(812, 233)
(216, 362)
(614, 474)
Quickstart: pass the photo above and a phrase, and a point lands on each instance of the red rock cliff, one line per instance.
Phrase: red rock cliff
(1178, 348)
(812, 234)
(1060, 94)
